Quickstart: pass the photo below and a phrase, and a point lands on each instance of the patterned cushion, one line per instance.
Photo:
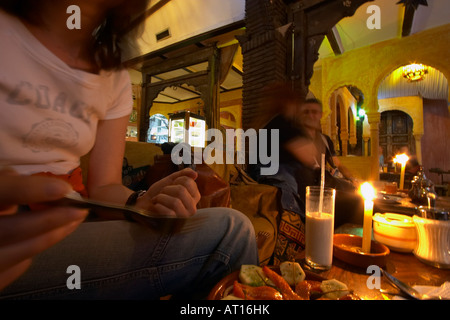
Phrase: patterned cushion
(133, 178)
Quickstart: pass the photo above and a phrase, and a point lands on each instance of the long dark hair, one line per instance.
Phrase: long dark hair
(110, 40)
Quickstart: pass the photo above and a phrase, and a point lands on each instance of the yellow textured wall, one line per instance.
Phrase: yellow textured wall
(365, 68)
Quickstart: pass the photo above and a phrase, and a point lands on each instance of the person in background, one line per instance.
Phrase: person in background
(299, 163)
(381, 158)
(413, 165)
(348, 203)
(280, 103)
(63, 93)
(301, 144)
(310, 113)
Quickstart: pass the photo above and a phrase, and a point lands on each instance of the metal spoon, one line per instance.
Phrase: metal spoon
(408, 290)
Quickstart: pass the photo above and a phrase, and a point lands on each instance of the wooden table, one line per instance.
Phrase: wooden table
(406, 206)
(404, 266)
(395, 177)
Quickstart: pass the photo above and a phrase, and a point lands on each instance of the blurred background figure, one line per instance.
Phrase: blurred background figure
(310, 113)
(381, 158)
(413, 165)
(301, 144)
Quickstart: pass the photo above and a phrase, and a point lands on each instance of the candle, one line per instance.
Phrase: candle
(368, 193)
(402, 159)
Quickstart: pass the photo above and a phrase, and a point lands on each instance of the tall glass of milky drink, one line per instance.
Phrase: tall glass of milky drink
(319, 227)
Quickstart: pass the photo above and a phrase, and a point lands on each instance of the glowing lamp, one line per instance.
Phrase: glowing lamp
(414, 72)
(361, 113)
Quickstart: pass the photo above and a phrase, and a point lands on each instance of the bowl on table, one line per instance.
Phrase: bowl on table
(347, 248)
(396, 231)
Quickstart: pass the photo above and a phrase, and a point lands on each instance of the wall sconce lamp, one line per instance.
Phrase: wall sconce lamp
(414, 72)
(361, 114)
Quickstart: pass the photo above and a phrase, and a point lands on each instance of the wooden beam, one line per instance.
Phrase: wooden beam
(335, 41)
(311, 27)
(306, 4)
(142, 17)
(186, 60)
(178, 80)
(408, 18)
(135, 62)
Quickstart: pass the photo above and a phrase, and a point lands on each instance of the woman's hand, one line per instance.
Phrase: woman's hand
(175, 195)
(25, 234)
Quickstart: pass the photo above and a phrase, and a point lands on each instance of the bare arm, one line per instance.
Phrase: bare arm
(105, 162)
(175, 195)
(344, 170)
(304, 151)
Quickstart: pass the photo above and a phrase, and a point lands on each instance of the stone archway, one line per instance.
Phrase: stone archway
(339, 119)
(431, 121)
(367, 67)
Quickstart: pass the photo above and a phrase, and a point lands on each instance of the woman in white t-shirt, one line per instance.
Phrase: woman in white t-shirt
(64, 93)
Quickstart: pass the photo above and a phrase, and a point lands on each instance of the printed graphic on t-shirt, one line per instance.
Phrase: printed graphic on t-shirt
(51, 134)
(39, 96)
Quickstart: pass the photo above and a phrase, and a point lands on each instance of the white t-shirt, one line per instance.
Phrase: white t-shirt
(49, 111)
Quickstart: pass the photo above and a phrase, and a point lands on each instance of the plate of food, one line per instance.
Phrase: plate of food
(288, 281)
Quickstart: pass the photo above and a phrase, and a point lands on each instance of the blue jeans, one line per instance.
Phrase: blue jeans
(124, 260)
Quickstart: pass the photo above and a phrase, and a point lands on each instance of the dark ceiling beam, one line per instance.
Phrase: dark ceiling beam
(170, 97)
(306, 4)
(190, 91)
(195, 40)
(239, 72)
(158, 78)
(142, 17)
(408, 15)
(408, 18)
(335, 41)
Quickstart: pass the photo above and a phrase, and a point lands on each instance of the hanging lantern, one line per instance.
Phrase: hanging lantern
(415, 72)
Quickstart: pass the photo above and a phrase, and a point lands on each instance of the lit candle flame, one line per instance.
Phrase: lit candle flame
(367, 191)
(401, 158)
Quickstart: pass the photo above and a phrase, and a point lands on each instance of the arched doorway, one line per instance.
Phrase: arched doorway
(426, 102)
(396, 131)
